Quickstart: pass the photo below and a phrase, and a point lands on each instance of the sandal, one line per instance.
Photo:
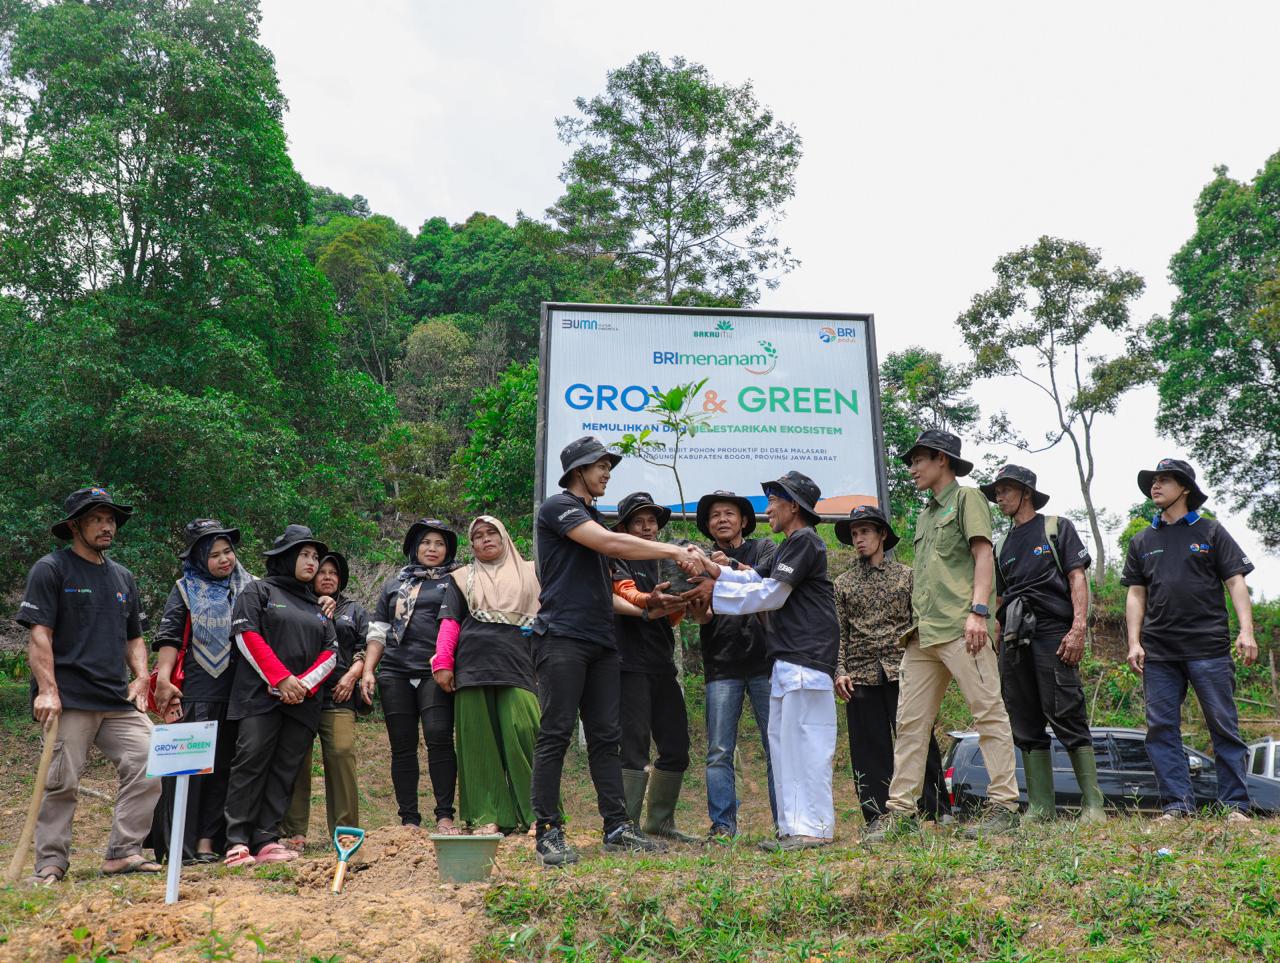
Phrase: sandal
(49, 876)
(201, 859)
(239, 855)
(275, 853)
(295, 843)
(139, 865)
(450, 830)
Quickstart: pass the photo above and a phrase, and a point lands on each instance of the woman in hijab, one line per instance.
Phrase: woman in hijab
(401, 642)
(287, 648)
(338, 717)
(196, 624)
(484, 653)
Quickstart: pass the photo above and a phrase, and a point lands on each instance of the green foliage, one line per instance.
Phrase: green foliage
(499, 458)
(681, 179)
(1043, 322)
(163, 332)
(919, 390)
(1219, 348)
(672, 408)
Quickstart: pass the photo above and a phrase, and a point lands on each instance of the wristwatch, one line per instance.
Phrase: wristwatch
(977, 608)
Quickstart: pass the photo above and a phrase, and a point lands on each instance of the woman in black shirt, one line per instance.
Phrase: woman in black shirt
(401, 642)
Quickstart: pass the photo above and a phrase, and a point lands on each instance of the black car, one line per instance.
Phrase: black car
(1124, 776)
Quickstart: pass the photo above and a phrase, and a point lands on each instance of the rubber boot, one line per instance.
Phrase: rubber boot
(633, 784)
(1085, 764)
(660, 820)
(1038, 765)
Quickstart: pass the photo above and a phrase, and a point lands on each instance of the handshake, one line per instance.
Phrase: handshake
(688, 581)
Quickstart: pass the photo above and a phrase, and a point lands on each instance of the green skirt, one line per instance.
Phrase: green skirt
(496, 728)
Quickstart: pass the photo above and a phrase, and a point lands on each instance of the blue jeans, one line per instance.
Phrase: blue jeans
(724, 709)
(1165, 686)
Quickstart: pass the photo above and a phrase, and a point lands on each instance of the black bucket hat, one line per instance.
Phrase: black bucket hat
(741, 501)
(294, 536)
(1180, 470)
(420, 528)
(199, 528)
(801, 489)
(83, 500)
(340, 563)
(1024, 477)
(866, 513)
(639, 502)
(587, 450)
(936, 439)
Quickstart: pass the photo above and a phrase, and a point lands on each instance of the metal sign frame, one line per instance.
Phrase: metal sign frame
(542, 455)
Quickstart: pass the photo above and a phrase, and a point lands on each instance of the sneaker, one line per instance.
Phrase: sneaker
(627, 838)
(889, 826)
(1237, 817)
(790, 844)
(554, 850)
(994, 819)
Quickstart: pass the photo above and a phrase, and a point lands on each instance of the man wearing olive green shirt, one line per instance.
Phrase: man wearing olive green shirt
(952, 600)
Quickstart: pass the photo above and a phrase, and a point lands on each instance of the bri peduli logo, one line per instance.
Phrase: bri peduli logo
(1201, 548)
(828, 334)
(1040, 550)
(122, 598)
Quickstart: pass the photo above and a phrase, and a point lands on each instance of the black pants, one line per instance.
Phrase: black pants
(653, 708)
(872, 715)
(577, 677)
(1039, 690)
(206, 795)
(269, 750)
(406, 707)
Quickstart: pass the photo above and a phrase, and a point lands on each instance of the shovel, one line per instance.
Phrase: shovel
(345, 852)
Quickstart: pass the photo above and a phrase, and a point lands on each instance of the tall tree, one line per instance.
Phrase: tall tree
(919, 390)
(681, 179)
(1219, 348)
(1045, 323)
(162, 331)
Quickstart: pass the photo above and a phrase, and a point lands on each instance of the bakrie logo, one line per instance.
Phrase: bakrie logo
(723, 329)
(828, 334)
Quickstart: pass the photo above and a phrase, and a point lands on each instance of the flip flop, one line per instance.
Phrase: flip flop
(139, 865)
(50, 876)
(296, 843)
(200, 859)
(275, 853)
(448, 831)
(239, 856)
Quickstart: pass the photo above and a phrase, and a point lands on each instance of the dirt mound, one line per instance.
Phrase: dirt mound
(393, 907)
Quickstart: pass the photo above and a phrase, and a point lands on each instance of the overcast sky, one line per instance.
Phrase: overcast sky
(936, 138)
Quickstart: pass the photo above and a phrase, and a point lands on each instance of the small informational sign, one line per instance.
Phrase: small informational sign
(182, 749)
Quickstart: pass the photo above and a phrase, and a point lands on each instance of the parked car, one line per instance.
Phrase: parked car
(1264, 759)
(1125, 776)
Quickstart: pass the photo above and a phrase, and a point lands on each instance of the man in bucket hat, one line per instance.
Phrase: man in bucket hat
(576, 651)
(1042, 594)
(82, 612)
(734, 661)
(1179, 636)
(873, 604)
(951, 601)
(652, 709)
(804, 642)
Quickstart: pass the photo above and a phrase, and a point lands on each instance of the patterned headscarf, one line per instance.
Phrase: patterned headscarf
(209, 601)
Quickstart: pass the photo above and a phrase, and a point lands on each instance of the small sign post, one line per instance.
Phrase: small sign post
(184, 749)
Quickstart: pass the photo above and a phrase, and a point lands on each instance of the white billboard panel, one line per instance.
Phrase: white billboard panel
(784, 391)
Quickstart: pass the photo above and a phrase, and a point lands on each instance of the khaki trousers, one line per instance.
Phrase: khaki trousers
(123, 737)
(923, 680)
(341, 796)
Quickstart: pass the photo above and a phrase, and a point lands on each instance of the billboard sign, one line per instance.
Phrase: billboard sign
(784, 390)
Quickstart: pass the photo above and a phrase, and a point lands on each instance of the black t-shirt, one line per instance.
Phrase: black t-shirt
(805, 631)
(198, 685)
(1026, 568)
(351, 622)
(93, 611)
(297, 632)
(488, 653)
(411, 658)
(644, 645)
(1183, 566)
(733, 646)
(577, 592)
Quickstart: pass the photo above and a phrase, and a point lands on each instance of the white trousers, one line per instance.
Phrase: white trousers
(802, 747)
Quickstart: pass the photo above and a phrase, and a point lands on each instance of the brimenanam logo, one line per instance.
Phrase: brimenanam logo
(757, 363)
(828, 334)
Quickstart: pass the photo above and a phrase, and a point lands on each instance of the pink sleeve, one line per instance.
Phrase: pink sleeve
(264, 661)
(446, 645)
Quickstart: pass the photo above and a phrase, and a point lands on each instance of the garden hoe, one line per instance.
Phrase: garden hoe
(346, 839)
(37, 794)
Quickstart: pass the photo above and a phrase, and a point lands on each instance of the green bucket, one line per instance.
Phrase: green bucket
(465, 859)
